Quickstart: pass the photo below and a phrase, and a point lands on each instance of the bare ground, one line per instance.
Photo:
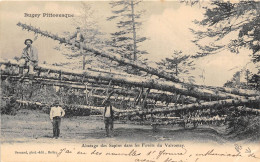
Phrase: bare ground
(34, 126)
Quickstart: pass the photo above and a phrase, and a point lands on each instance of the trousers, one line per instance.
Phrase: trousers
(109, 125)
(80, 45)
(56, 126)
(30, 64)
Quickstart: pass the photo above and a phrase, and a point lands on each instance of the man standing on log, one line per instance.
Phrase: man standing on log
(108, 119)
(29, 58)
(56, 114)
(79, 38)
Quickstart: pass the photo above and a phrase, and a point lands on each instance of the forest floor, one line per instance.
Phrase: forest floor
(35, 126)
(27, 136)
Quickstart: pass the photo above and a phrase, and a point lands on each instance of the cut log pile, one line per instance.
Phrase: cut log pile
(64, 77)
(81, 76)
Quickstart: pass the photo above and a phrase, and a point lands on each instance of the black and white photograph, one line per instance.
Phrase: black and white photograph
(130, 80)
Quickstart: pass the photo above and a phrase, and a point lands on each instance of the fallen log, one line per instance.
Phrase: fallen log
(70, 105)
(203, 120)
(177, 121)
(236, 91)
(204, 105)
(159, 96)
(165, 118)
(247, 109)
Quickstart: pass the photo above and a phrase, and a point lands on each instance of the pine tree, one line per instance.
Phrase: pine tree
(126, 40)
(224, 19)
(251, 80)
(179, 65)
(93, 36)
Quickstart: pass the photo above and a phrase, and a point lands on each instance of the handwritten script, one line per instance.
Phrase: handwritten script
(145, 152)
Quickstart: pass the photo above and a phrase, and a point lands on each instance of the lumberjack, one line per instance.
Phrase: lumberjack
(29, 58)
(79, 38)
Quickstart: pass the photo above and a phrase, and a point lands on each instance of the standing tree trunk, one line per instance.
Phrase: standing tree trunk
(134, 32)
(84, 61)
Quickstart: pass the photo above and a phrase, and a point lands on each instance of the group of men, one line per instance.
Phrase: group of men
(57, 112)
(30, 58)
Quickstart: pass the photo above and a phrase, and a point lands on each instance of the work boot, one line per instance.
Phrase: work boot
(58, 133)
(112, 132)
(54, 133)
(31, 69)
(107, 132)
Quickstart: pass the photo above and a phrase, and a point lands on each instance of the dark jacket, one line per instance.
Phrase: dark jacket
(111, 111)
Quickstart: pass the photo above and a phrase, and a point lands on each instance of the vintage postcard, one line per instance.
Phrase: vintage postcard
(130, 80)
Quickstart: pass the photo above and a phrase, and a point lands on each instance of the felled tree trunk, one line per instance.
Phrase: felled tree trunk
(70, 105)
(192, 120)
(236, 91)
(204, 105)
(247, 109)
(198, 120)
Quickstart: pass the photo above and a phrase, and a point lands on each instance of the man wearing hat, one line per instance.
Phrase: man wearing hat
(108, 118)
(29, 57)
(56, 114)
(79, 38)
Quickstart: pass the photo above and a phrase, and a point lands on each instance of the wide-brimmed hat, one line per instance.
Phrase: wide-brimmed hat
(28, 40)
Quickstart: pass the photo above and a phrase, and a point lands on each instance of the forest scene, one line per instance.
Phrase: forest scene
(168, 77)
